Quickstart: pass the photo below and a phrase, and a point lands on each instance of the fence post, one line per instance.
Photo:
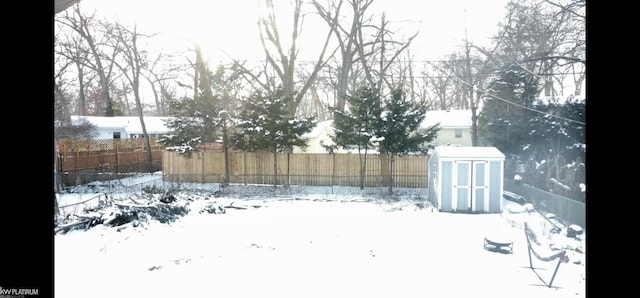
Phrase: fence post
(202, 166)
(117, 157)
(333, 172)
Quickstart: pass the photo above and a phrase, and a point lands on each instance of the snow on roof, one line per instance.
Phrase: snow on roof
(99, 121)
(153, 125)
(131, 124)
(468, 151)
(316, 131)
(447, 118)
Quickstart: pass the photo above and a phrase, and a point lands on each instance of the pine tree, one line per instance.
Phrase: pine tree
(557, 140)
(265, 125)
(204, 119)
(504, 120)
(356, 128)
(398, 128)
(196, 121)
(545, 139)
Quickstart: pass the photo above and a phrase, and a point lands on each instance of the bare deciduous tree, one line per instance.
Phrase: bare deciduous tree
(346, 36)
(133, 62)
(86, 27)
(281, 61)
(367, 52)
(544, 38)
(546, 41)
(470, 70)
(159, 79)
(69, 51)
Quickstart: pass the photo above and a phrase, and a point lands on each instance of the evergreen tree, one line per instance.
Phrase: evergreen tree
(557, 148)
(508, 109)
(572, 120)
(204, 119)
(356, 127)
(196, 121)
(543, 140)
(265, 124)
(399, 128)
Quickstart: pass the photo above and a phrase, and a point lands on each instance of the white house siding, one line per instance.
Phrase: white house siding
(320, 135)
(126, 126)
(450, 121)
(447, 136)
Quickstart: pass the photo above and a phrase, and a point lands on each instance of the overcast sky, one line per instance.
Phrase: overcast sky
(231, 28)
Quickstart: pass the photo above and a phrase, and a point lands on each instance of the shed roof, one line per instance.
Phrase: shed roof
(468, 152)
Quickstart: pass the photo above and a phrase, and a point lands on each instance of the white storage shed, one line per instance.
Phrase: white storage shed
(466, 179)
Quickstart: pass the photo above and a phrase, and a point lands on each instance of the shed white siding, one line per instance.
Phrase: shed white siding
(466, 179)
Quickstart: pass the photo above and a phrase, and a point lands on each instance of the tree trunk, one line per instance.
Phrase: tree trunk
(275, 169)
(155, 97)
(363, 167)
(391, 174)
(474, 126)
(147, 143)
(82, 108)
(384, 169)
(56, 185)
(286, 182)
(225, 143)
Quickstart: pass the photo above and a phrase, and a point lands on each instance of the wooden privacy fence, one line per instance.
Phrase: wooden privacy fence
(105, 160)
(313, 169)
(68, 148)
(74, 155)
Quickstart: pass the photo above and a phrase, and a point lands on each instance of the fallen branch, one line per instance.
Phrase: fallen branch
(67, 227)
(235, 207)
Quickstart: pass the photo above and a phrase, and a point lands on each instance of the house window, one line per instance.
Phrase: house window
(116, 134)
(458, 133)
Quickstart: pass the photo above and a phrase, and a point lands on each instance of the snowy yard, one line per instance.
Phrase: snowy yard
(315, 245)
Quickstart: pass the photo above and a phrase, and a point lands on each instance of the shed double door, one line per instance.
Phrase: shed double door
(470, 186)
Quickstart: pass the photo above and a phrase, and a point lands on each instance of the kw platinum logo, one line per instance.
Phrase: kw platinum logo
(13, 293)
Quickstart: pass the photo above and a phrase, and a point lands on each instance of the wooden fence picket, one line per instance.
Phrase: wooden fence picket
(304, 168)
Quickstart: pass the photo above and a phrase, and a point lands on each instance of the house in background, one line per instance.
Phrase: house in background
(455, 127)
(455, 130)
(126, 127)
(316, 138)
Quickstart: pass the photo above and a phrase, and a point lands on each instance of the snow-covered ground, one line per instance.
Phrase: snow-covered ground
(316, 243)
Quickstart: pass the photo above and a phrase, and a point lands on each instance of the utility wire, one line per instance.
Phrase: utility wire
(457, 78)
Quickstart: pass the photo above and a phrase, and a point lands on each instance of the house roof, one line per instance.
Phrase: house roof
(131, 124)
(317, 130)
(447, 118)
(468, 152)
(61, 5)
